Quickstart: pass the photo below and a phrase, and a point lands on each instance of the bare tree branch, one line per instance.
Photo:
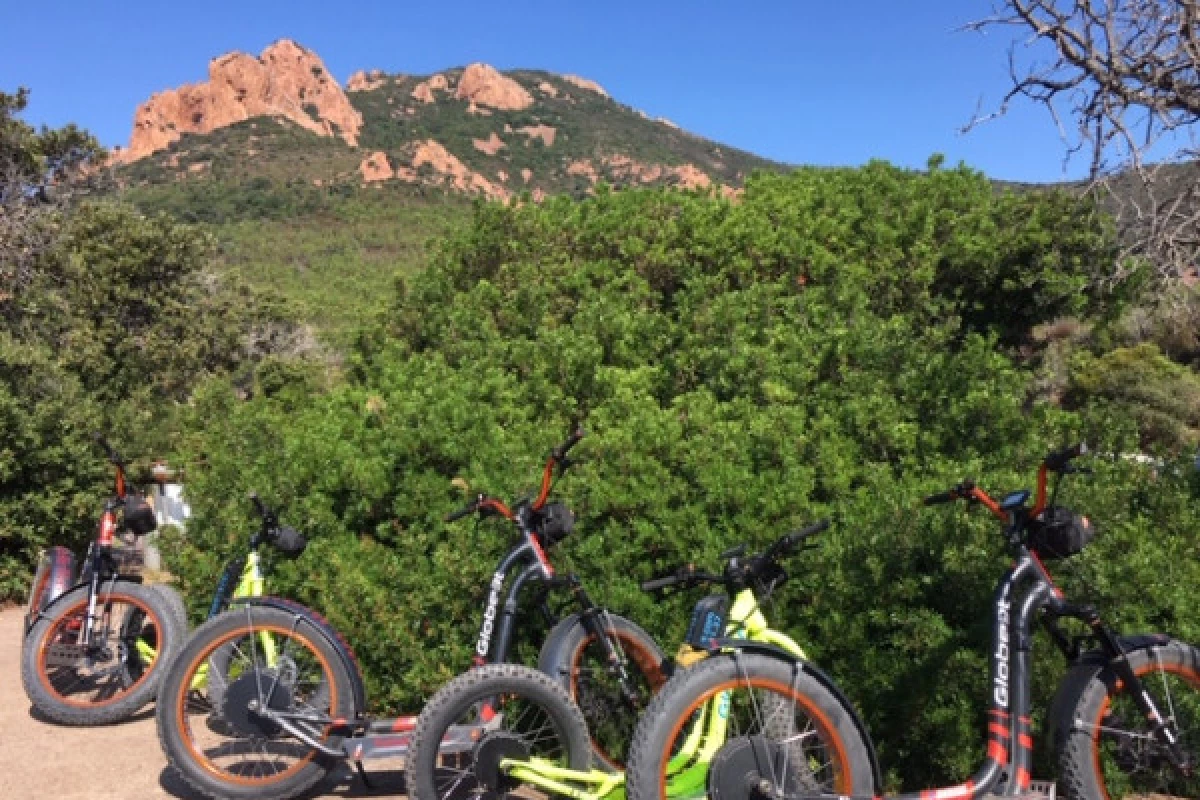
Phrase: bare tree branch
(1126, 74)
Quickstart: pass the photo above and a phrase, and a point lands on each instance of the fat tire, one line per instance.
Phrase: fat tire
(173, 600)
(564, 646)
(175, 689)
(1083, 693)
(661, 719)
(170, 640)
(453, 699)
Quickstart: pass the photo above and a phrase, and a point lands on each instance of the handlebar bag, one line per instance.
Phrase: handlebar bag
(1060, 533)
(555, 523)
(289, 541)
(139, 515)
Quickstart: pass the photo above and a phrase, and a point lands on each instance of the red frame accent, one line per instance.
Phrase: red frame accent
(989, 503)
(547, 479)
(1039, 501)
(108, 526)
(497, 506)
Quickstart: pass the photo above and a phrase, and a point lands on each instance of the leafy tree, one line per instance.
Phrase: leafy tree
(816, 349)
(110, 319)
(39, 172)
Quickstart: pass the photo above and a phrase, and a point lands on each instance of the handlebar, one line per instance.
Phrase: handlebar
(789, 541)
(481, 505)
(560, 452)
(686, 575)
(285, 538)
(484, 504)
(737, 571)
(654, 584)
(466, 510)
(262, 510)
(939, 498)
(1058, 460)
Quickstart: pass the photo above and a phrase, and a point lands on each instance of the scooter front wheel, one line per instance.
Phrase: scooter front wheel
(741, 726)
(578, 661)
(475, 728)
(1106, 746)
(281, 684)
(76, 673)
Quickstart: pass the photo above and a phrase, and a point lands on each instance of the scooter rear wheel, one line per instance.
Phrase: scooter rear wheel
(272, 663)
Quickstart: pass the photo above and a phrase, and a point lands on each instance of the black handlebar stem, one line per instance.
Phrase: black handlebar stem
(109, 450)
(1059, 460)
(560, 453)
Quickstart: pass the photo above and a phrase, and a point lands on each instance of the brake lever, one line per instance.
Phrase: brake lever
(734, 552)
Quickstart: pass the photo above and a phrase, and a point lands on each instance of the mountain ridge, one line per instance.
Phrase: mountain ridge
(472, 130)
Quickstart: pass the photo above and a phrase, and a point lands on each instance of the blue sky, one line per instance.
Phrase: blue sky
(801, 82)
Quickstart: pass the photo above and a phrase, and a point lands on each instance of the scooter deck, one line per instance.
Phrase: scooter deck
(389, 738)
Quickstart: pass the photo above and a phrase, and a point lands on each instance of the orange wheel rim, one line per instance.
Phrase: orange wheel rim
(830, 736)
(181, 704)
(72, 618)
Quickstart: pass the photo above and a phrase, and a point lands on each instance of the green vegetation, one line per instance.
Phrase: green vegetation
(816, 349)
(110, 318)
(587, 126)
(839, 342)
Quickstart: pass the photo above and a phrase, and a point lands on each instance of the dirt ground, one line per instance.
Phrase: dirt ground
(118, 762)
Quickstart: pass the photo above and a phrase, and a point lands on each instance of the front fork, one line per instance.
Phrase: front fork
(592, 619)
(1162, 729)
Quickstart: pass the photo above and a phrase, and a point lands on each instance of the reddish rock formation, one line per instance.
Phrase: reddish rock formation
(423, 91)
(543, 132)
(689, 176)
(482, 85)
(583, 167)
(584, 83)
(376, 167)
(548, 89)
(365, 81)
(490, 145)
(686, 176)
(452, 171)
(285, 81)
(526, 174)
(624, 167)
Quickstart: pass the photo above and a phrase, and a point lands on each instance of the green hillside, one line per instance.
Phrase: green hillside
(295, 218)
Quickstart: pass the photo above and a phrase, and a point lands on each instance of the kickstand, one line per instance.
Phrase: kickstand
(362, 773)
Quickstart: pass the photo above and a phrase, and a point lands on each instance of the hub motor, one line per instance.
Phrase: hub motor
(757, 768)
(243, 694)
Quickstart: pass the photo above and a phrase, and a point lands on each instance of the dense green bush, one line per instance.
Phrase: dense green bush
(110, 317)
(820, 348)
(51, 476)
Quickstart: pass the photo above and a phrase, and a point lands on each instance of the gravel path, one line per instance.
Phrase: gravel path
(119, 762)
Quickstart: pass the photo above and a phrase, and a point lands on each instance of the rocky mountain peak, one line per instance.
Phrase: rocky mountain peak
(286, 80)
(483, 85)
